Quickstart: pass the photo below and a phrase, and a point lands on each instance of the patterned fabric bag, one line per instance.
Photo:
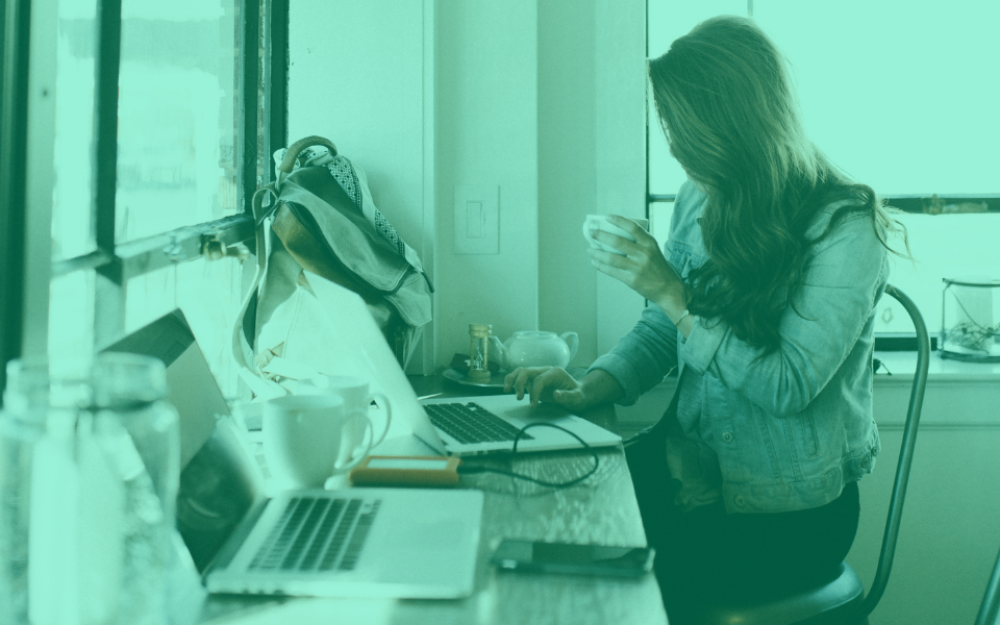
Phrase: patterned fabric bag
(321, 219)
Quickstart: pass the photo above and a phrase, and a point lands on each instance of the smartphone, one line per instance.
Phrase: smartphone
(522, 555)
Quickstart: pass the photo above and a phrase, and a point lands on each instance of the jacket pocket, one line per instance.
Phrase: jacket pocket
(808, 435)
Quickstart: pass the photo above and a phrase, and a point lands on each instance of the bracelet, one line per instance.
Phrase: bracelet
(681, 318)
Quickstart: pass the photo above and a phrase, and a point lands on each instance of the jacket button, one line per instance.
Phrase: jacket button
(740, 501)
(727, 436)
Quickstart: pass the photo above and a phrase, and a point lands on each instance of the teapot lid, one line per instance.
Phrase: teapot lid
(539, 334)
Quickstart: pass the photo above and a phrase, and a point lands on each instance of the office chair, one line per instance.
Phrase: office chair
(991, 600)
(842, 601)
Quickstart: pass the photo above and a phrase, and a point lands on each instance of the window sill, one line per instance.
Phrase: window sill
(903, 364)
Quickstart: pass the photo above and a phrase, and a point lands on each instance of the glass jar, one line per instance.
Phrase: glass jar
(89, 470)
(64, 502)
(970, 320)
(140, 432)
(40, 490)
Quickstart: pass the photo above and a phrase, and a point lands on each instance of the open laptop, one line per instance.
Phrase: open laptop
(416, 543)
(354, 346)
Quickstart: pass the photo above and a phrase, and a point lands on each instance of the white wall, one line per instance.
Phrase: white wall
(567, 175)
(487, 134)
(591, 100)
(542, 99)
(356, 76)
(620, 140)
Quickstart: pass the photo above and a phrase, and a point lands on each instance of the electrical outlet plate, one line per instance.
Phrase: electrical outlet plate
(477, 219)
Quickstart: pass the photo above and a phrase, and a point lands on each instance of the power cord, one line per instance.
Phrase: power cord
(469, 469)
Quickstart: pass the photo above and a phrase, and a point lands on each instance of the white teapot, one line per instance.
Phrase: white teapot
(534, 348)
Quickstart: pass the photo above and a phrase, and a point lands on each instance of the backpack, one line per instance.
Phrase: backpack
(321, 219)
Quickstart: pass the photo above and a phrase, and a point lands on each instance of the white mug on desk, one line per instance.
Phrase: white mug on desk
(308, 438)
(354, 392)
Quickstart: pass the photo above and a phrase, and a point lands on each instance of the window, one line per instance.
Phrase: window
(164, 114)
(899, 101)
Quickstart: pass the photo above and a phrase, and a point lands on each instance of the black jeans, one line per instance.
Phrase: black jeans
(709, 555)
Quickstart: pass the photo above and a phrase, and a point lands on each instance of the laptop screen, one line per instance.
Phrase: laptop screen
(219, 481)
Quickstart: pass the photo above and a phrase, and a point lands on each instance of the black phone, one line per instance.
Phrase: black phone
(523, 555)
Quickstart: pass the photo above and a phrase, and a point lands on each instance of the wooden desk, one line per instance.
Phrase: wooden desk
(602, 510)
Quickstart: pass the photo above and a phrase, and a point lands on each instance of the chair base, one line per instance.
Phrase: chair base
(834, 603)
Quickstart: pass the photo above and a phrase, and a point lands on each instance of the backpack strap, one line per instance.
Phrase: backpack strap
(243, 351)
(293, 151)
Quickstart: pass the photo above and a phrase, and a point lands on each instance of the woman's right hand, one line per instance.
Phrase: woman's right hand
(548, 384)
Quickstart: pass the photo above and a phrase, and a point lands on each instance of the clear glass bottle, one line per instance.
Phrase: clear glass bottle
(21, 425)
(63, 503)
(139, 429)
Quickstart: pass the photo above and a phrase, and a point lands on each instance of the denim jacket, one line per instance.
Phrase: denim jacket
(781, 432)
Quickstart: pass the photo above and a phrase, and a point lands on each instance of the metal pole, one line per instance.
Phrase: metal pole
(109, 300)
(13, 175)
(891, 535)
(276, 79)
(249, 85)
(991, 600)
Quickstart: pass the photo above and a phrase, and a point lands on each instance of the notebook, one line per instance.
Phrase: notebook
(401, 543)
(354, 346)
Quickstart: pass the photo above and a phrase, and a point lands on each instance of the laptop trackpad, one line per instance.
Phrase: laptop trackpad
(542, 412)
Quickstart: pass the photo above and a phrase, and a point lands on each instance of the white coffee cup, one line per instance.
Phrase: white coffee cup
(308, 438)
(600, 222)
(354, 392)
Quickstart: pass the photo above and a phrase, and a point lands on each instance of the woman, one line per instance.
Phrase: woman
(765, 303)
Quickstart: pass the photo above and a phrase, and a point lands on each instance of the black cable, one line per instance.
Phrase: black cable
(467, 469)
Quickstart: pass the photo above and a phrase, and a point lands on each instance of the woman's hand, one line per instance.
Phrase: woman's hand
(549, 384)
(643, 268)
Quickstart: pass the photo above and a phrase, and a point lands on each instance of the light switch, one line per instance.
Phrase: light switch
(477, 219)
(474, 214)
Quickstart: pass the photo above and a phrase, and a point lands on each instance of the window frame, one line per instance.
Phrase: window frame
(16, 28)
(262, 55)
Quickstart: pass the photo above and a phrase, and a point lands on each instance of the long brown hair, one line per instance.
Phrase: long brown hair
(731, 118)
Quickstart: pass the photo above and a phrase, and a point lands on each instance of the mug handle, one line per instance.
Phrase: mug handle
(382, 400)
(361, 456)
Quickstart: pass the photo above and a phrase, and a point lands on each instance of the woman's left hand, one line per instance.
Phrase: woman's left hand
(643, 268)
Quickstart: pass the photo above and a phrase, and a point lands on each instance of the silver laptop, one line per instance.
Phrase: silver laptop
(402, 543)
(489, 424)
(448, 426)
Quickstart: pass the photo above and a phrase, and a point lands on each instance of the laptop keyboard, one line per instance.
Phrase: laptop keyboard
(471, 423)
(317, 534)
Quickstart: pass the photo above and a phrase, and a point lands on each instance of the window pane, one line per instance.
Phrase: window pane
(209, 293)
(177, 115)
(71, 316)
(943, 246)
(901, 137)
(668, 20)
(660, 214)
(903, 98)
(72, 234)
